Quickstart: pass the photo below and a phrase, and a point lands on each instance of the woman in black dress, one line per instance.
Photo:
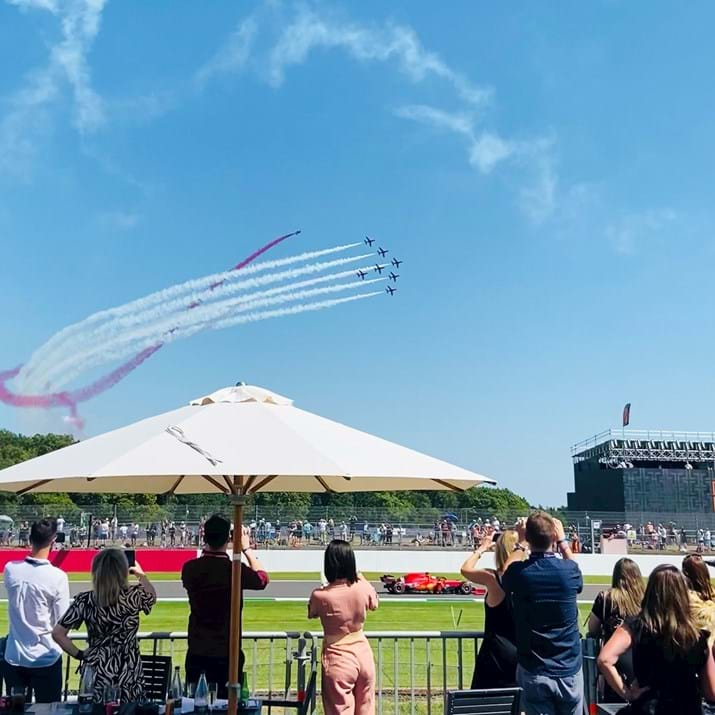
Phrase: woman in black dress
(673, 665)
(611, 608)
(495, 665)
(111, 613)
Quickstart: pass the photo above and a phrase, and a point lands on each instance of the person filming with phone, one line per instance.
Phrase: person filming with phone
(207, 581)
(543, 590)
(495, 666)
(111, 613)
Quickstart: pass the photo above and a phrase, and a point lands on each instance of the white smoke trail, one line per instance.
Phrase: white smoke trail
(95, 341)
(182, 305)
(294, 310)
(164, 329)
(45, 352)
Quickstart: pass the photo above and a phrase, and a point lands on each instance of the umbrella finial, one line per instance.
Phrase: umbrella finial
(240, 383)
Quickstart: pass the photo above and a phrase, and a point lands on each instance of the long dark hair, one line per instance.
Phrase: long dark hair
(666, 611)
(339, 562)
(696, 572)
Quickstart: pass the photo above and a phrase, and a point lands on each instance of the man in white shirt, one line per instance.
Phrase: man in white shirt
(38, 595)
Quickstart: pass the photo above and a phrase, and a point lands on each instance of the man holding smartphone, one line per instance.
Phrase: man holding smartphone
(543, 591)
(207, 581)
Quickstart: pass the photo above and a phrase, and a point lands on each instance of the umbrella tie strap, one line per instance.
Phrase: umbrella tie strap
(177, 432)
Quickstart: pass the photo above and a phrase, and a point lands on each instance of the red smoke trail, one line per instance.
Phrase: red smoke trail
(71, 398)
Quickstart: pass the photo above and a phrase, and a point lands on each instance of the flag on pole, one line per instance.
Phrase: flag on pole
(627, 414)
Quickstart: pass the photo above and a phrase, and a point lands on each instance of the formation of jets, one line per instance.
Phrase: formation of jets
(380, 267)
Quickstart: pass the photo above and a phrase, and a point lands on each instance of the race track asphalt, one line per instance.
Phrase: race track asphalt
(293, 590)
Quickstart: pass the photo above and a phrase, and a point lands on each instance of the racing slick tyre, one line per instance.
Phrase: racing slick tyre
(398, 587)
(466, 588)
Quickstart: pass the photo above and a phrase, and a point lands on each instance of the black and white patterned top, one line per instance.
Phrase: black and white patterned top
(113, 649)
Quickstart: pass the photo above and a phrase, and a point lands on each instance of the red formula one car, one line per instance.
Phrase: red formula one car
(423, 582)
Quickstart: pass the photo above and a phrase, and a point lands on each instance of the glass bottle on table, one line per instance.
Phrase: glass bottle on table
(244, 689)
(85, 698)
(201, 696)
(176, 691)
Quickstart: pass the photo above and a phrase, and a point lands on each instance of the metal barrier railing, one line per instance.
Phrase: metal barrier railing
(414, 670)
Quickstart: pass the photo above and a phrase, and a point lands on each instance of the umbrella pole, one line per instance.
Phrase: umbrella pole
(238, 501)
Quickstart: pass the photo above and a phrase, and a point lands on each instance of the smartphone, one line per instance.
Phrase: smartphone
(131, 557)
(495, 536)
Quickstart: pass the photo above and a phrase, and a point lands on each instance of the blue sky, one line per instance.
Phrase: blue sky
(545, 171)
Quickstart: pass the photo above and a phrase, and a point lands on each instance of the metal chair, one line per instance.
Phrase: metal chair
(306, 706)
(157, 671)
(494, 701)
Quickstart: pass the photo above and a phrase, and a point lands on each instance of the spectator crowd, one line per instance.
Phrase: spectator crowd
(656, 641)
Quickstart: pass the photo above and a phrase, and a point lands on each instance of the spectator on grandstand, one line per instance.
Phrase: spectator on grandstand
(134, 535)
(307, 531)
(543, 590)
(172, 534)
(23, 533)
(38, 595)
(113, 528)
(104, 532)
(111, 613)
(708, 539)
(673, 665)
(702, 595)
(348, 667)
(60, 524)
(495, 665)
(610, 610)
(207, 581)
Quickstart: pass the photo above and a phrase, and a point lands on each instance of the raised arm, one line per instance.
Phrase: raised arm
(483, 577)
(562, 542)
(254, 577)
(143, 579)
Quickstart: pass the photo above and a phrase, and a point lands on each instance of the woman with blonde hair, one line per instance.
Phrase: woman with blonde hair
(611, 608)
(702, 595)
(673, 664)
(111, 613)
(495, 665)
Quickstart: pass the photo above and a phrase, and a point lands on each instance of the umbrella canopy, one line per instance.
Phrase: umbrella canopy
(240, 430)
(240, 440)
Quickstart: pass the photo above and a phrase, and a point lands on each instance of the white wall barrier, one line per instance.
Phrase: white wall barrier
(446, 561)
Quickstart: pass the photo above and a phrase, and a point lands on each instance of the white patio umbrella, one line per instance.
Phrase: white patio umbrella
(240, 440)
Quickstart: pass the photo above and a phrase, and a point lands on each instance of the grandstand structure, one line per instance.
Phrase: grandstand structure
(633, 472)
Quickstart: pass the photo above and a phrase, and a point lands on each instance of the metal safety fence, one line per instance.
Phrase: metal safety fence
(414, 670)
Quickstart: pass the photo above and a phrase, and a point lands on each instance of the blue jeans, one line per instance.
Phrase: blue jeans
(544, 695)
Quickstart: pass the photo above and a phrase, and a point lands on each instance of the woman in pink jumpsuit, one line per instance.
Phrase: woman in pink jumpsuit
(348, 682)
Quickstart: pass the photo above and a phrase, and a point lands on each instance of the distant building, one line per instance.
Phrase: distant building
(637, 471)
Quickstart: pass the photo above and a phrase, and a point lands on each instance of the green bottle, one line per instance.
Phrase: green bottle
(244, 689)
